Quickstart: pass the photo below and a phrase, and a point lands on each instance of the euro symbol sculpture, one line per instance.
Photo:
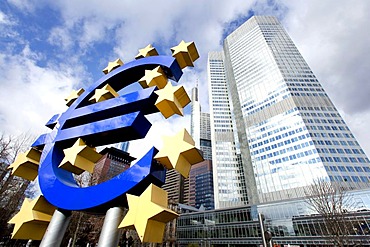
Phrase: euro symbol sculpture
(100, 116)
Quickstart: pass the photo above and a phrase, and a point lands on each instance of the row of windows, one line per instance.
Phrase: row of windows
(289, 72)
(317, 108)
(332, 135)
(224, 108)
(325, 121)
(355, 179)
(223, 130)
(223, 126)
(348, 168)
(345, 159)
(220, 117)
(306, 89)
(288, 150)
(350, 143)
(224, 104)
(219, 91)
(223, 121)
(284, 143)
(301, 80)
(325, 135)
(278, 137)
(310, 94)
(340, 150)
(324, 114)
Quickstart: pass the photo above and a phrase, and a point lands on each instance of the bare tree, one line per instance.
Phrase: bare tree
(83, 227)
(332, 202)
(11, 146)
(5, 154)
(11, 188)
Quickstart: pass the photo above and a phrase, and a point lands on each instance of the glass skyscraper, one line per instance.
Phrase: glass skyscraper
(274, 129)
(200, 128)
(201, 175)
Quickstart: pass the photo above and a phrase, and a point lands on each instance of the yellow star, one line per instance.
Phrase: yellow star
(33, 219)
(26, 164)
(73, 96)
(148, 214)
(107, 92)
(79, 158)
(112, 65)
(148, 51)
(154, 77)
(179, 153)
(171, 100)
(185, 54)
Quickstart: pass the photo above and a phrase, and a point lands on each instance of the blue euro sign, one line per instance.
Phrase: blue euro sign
(115, 120)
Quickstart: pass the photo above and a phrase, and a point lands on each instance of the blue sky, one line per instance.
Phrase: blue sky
(48, 48)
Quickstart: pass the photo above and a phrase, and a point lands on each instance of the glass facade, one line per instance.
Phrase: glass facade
(278, 119)
(228, 174)
(201, 176)
(200, 128)
(290, 222)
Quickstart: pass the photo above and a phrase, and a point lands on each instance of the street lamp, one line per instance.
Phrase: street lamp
(265, 234)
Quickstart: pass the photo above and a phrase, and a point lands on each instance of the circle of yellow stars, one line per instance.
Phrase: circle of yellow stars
(148, 213)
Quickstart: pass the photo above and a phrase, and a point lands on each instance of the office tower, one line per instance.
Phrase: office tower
(274, 129)
(201, 185)
(124, 146)
(113, 162)
(201, 175)
(200, 128)
(177, 187)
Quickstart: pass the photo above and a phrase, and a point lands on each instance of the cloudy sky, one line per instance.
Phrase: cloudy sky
(49, 48)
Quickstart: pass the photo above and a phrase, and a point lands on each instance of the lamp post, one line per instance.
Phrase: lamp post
(265, 234)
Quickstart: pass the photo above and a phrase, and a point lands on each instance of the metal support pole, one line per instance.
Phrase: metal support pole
(262, 227)
(270, 244)
(109, 235)
(57, 227)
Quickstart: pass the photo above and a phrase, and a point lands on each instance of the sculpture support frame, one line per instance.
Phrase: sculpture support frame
(56, 229)
(110, 233)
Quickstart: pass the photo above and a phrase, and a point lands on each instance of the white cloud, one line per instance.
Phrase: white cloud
(6, 24)
(160, 127)
(4, 19)
(60, 37)
(30, 94)
(332, 36)
(24, 5)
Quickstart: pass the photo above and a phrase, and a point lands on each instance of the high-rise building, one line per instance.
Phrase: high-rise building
(200, 128)
(201, 186)
(274, 129)
(113, 162)
(201, 175)
(124, 146)
(177, 187)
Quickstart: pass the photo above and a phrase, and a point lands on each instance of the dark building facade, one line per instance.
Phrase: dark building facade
(113, 162)
(201, 185)
(201, 174)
